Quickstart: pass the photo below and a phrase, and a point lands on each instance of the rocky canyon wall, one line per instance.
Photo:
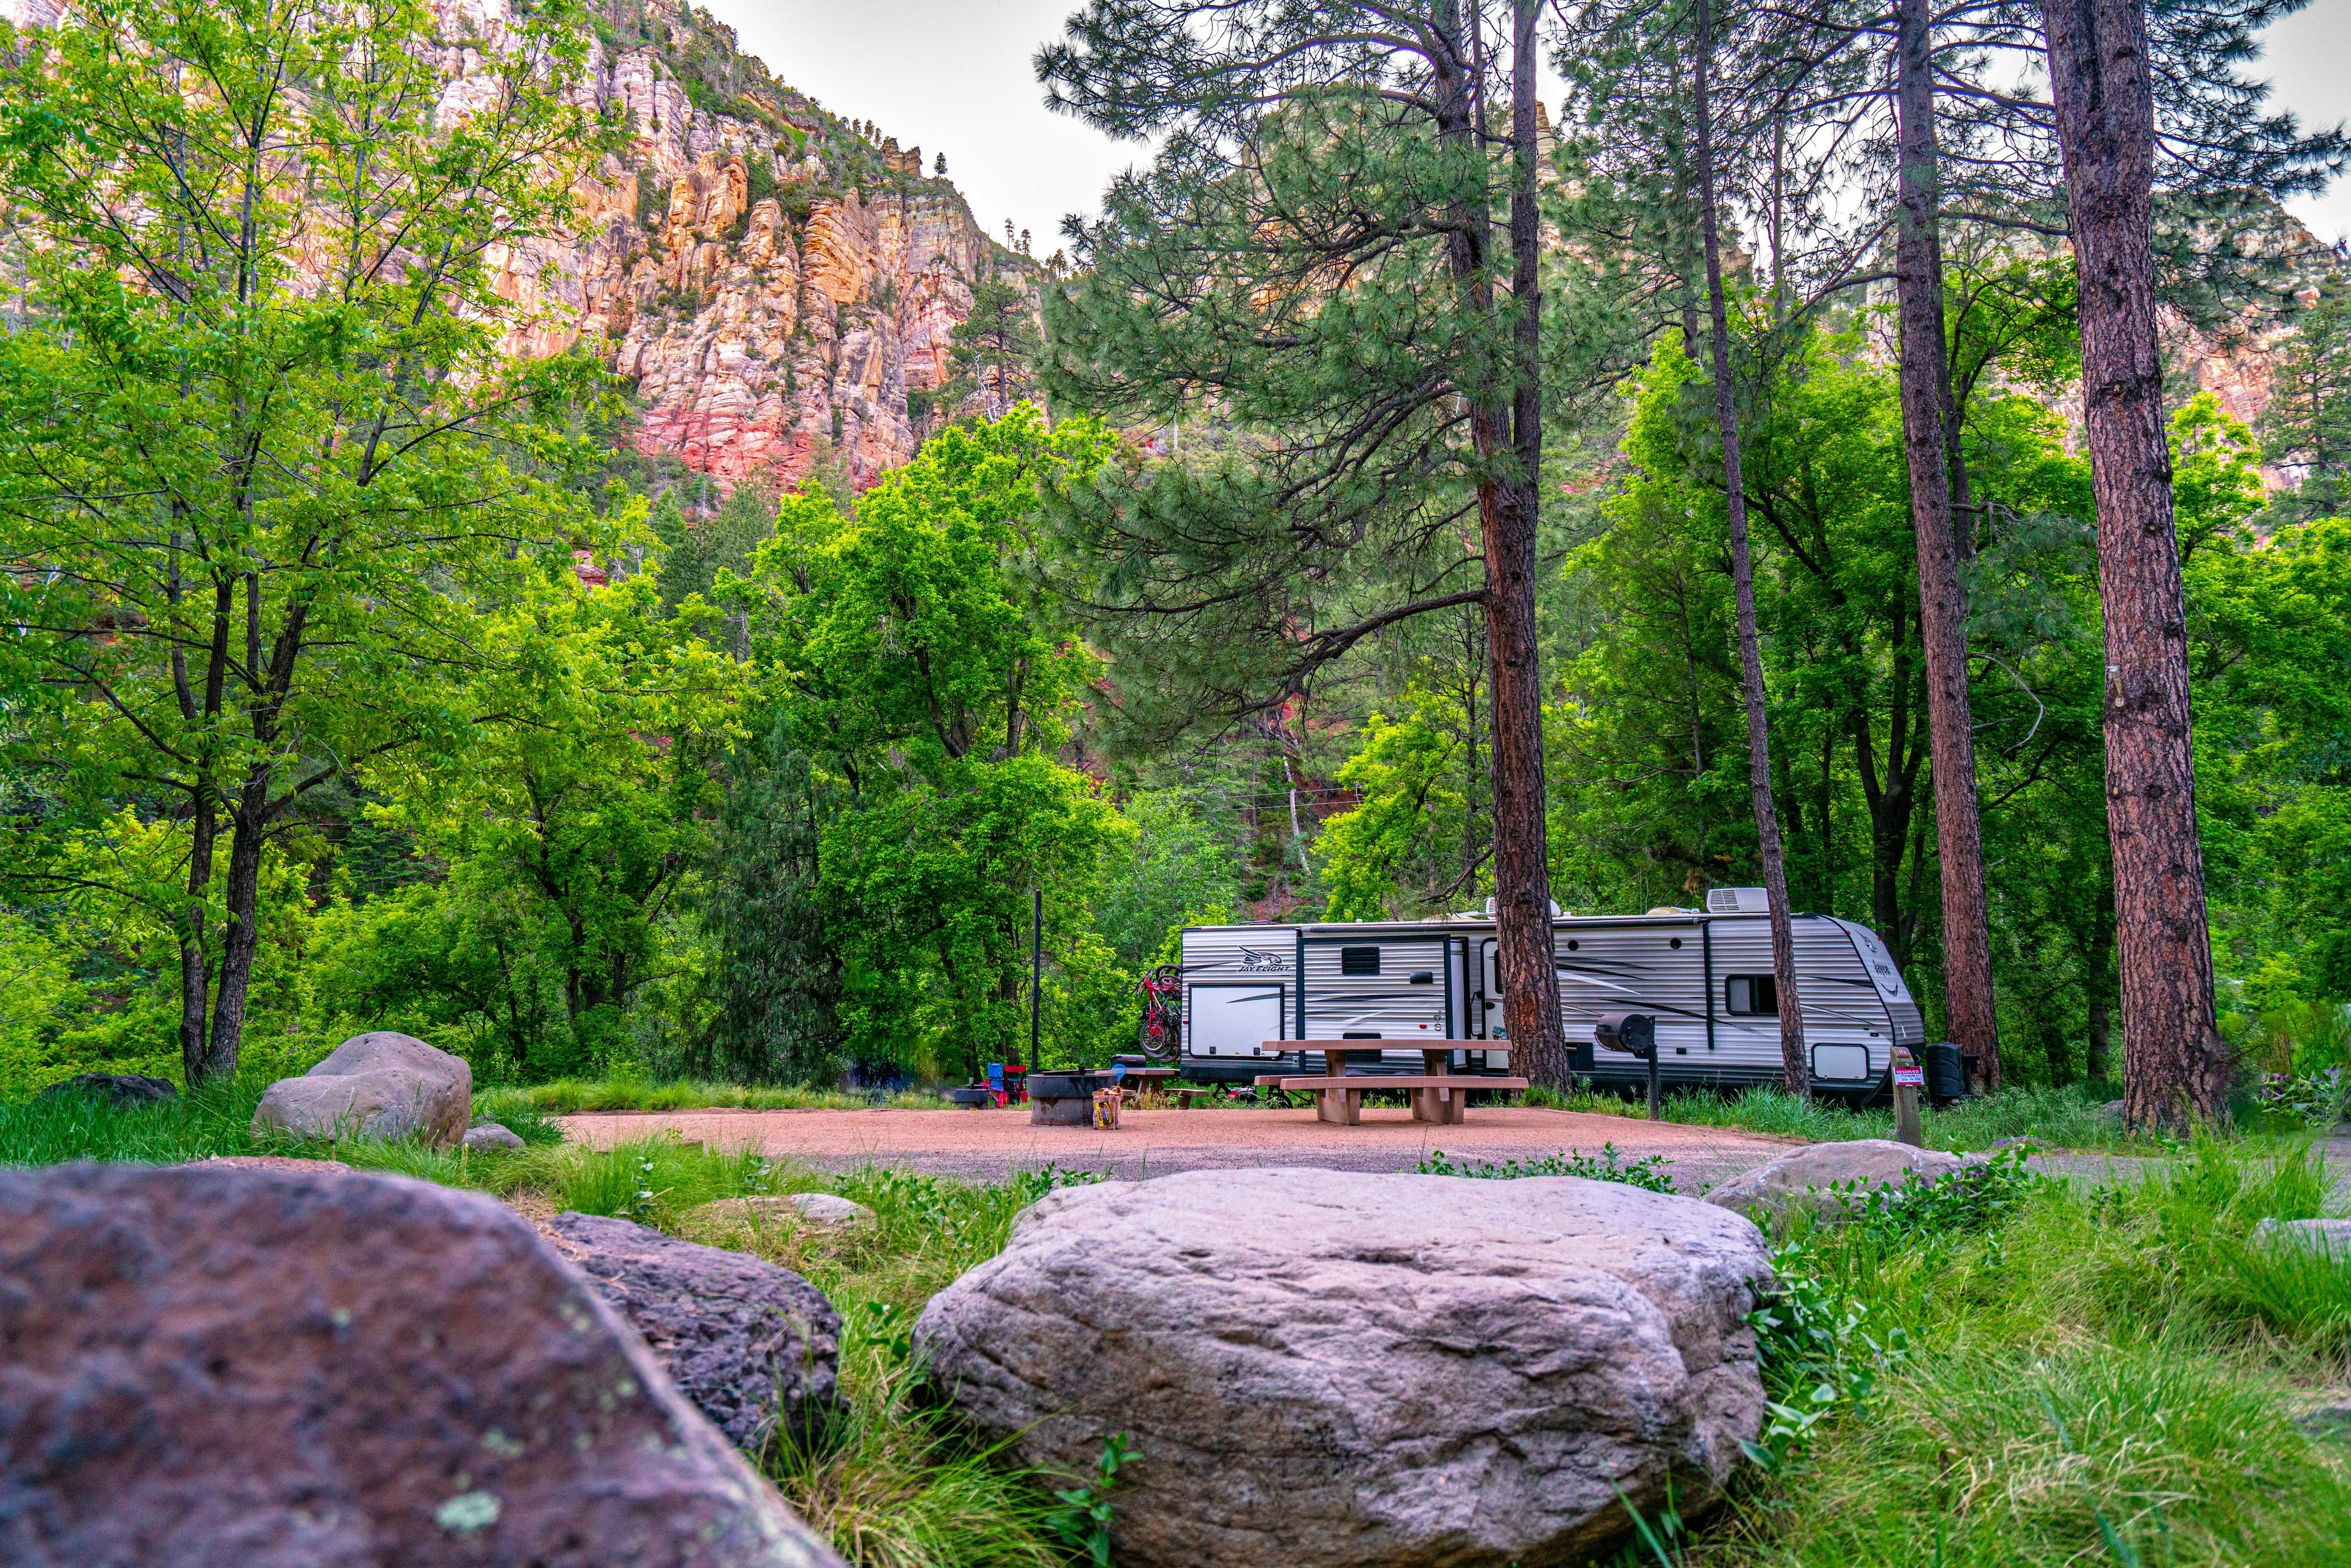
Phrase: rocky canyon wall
(778, 283)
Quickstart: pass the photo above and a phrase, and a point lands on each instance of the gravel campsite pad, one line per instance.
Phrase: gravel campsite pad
(983, 1144)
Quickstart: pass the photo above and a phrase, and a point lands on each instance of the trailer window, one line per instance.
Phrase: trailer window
(1750, 995)
(1359, 960)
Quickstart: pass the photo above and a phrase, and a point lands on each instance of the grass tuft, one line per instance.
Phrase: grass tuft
(194, 1126)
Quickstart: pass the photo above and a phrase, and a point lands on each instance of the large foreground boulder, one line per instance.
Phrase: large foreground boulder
(753, 1345)
(377, 1085)
(1327, 1369)
(211, 1368)
(1810, 1175)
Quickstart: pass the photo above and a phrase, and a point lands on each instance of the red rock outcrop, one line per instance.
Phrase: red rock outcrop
(779, 286)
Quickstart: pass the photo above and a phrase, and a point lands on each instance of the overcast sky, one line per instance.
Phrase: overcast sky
(954, 76)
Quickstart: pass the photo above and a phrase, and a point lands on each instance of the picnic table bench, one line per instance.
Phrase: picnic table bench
(1437, 1095)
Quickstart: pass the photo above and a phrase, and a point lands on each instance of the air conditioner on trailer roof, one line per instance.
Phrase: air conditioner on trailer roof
(1738, 901)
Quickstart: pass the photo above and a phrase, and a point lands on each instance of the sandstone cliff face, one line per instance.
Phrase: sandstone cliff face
(780, 287)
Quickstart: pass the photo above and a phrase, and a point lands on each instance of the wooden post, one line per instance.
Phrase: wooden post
(1907, 1081)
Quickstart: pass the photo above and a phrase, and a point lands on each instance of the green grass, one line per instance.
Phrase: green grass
(564, 1096)
(2102, 1375)
(77, 1126)
(2068, 1118)
(192, 1126)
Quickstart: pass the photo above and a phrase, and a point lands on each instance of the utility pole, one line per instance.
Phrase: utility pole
(1036, 971)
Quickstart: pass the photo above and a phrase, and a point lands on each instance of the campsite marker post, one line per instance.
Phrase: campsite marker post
(1908, 1079)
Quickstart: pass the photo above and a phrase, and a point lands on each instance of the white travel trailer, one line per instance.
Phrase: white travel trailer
(1705, 976)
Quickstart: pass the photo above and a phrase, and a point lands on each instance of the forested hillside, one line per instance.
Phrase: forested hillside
(543, 538)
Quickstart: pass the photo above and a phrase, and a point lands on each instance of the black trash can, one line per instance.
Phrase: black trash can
(1947, 1073)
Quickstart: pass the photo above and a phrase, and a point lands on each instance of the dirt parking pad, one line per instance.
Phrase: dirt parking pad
(987, 1144)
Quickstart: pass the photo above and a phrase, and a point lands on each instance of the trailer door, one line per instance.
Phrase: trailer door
(1234, 1019)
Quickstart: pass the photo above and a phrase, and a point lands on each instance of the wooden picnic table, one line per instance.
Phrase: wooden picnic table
(1141, 1081)
(1438, 1095)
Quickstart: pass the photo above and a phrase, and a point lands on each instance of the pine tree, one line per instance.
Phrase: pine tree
(696, 553)
(1963, 151)
(2175, 1063)
(1317, 258)
(2306, 430)
(993, 351)
(1938, 470)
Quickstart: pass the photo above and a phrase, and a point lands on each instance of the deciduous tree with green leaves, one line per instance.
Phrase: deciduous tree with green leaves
(572, 839)
(263, 464)
(921, 673)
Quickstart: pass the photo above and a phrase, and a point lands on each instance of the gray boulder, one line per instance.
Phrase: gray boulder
(120, 1089)
(1803, 1176)
(233, 1368)
(802, 1210)
(490, 1135)
(753, 1345)
(2321, 1235)
(379, 1085)
(1330, 1369)
(829, 1210)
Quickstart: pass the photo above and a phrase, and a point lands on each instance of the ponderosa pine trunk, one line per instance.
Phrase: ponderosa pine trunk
(1794, 1064)
(1927, 437)
(1508, 437)
(2175, 1068)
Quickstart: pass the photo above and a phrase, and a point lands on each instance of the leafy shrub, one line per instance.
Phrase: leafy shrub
(2319, 1099)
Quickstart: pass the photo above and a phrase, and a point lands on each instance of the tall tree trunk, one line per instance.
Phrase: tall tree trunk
(1525, 949)
(196, 966)
(195, 962)
(1794, 1064)
(1506, 425)
(1927, 433)
(2175, 1068)
(241, 895)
